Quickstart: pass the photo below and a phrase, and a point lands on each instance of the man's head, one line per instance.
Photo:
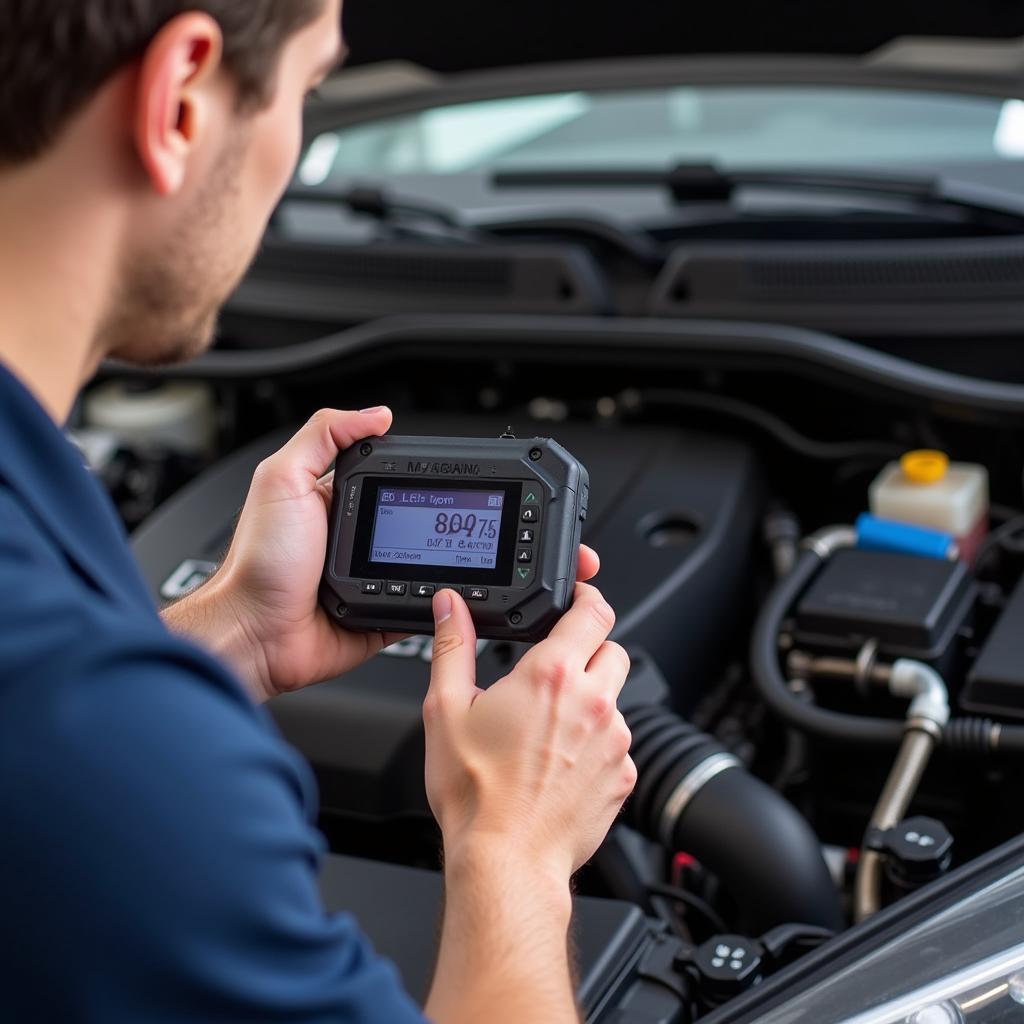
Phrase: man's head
(184, 118)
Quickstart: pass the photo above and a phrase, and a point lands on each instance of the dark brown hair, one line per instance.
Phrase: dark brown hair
(55, 54)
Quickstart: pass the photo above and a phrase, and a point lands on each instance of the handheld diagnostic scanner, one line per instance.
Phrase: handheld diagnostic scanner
(499, 521)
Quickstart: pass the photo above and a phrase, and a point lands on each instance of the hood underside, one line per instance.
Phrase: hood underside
(459, 35)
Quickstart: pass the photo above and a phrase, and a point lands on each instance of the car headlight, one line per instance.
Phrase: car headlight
(964, 965)
(988, 992)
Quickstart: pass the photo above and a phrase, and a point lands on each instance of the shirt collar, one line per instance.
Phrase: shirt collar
(47, 472)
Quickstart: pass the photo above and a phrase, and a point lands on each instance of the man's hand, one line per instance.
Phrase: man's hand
(541, 758)
(261, 612)
(525, 779)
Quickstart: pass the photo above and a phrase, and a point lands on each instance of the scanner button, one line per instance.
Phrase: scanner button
(524, 555)
(476, 593)
(526, 536)
(424, 590)
(371, 586)
(524, 573)
(530, 514)
(396, 589)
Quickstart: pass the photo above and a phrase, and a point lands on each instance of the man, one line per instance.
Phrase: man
(156, 854)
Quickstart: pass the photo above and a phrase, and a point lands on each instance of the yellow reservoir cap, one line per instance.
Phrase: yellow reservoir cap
(925, 466)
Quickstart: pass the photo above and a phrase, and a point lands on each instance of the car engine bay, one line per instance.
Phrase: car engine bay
(827, 715)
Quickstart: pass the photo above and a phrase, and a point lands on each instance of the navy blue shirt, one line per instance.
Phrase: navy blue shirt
(158, 861)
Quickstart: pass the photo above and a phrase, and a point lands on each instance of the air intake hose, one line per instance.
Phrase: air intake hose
(693, 795)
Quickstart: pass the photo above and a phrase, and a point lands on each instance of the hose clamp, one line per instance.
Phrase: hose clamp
(689, 786)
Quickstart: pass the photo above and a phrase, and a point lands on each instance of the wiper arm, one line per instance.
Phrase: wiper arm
(372, 201)
(704, 182)
(375, 202)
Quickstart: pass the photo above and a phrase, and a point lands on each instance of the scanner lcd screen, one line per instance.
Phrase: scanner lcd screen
(436, 531)
(428, 526)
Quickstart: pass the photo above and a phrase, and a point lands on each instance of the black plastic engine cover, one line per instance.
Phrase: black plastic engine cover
(400, 910)
(672, 514)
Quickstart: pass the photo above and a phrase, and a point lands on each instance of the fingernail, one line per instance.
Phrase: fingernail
(371, 412)
(443, 606)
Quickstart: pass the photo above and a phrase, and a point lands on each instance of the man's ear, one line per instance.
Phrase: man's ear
(172, 100)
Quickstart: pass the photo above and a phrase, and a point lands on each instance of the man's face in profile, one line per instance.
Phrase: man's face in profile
(188, 258)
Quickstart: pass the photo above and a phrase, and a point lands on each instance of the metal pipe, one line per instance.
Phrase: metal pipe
(927, 715)
(891, 809)
(825, 543)
(929, 698)
(807, 666)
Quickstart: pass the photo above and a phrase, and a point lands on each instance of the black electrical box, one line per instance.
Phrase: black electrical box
(913, 606)
(995, 684)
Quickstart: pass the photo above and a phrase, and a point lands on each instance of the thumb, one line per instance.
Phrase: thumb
(453, 669)
(295, 470)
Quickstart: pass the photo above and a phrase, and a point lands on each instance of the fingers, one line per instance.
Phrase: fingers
(296, 468)
(453, 669)
(589, 565)
(390, 639)
(610, 665)
(579, 633)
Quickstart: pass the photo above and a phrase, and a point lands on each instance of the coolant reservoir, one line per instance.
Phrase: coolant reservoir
(926, 489)
(177, 415)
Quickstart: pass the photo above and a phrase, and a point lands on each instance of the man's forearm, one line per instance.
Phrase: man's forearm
(207, 618)
(504, 947)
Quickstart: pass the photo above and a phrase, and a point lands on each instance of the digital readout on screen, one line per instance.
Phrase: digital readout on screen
(434, 527)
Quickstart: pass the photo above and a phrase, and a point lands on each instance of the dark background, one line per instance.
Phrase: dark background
(453, 35)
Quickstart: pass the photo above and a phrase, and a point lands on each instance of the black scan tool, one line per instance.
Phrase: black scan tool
(497, 520)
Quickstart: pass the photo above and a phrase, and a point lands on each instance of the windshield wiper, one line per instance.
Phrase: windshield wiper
(688, 183)
(992, 208)
(411, 217)
(376, 203)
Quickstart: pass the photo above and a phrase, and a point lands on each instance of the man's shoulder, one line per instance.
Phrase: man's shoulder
(50, 613)
(60, 635)
(78, 670)
(150, 811)
(24, 546)
(47, 609)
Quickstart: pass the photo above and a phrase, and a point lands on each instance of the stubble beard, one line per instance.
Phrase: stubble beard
(167, 307)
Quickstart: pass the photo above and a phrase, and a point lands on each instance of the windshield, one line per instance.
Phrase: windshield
(731, 126)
